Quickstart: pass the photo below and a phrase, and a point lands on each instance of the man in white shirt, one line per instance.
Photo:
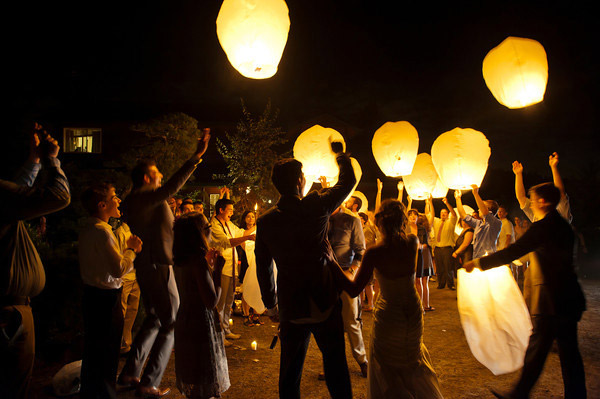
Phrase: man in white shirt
(102, 266)
(226, 236)
(444, 239)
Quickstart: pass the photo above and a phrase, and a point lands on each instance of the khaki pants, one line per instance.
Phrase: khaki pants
(353, 327)
(130, 303)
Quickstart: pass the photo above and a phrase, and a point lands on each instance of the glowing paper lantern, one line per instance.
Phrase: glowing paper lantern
(313, 149)
(357, 174)
(421, 182)
(494, 318)
(461, 158)
(440, 190)
(395, 146)
(363, 198)
(253, 34)
(516, 72)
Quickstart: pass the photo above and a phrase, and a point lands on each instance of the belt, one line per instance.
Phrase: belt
(14, 300)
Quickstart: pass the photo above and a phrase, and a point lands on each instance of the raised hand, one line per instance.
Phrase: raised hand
(445, 201)
(517, 168)
(323, 181)
(553, 160)
(202, 144)
(379, 185)
(457, 194)
(400, 186)
(475, 189)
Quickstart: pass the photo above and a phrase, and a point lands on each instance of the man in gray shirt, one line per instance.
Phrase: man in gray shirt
(348, 242)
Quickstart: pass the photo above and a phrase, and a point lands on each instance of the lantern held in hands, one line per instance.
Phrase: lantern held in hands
(516, 72)
(253, 34)
(313, 149)
(440, 190)
(421, 182)
(395, 146)
(461, 158)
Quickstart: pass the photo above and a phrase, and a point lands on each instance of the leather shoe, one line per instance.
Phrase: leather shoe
(227, 343)
(152, 392)
(364, 368)
(127, 382)
(233, 336)
(500, 395)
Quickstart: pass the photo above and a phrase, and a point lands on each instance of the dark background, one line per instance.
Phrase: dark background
(356, 63)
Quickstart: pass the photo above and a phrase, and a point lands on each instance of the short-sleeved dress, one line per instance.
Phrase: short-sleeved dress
(424, 261)
(200, 360)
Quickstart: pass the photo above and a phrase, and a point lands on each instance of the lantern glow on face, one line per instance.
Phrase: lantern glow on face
(395, 146)
(421, 182)
(460, 157)
(313, 149)
(253, 34)
(516, 72)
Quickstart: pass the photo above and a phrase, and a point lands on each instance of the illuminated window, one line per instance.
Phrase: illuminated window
(86, 140)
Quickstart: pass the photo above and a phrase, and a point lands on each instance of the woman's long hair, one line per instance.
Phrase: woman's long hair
(391, 219)
(243, 219)
(189, 238)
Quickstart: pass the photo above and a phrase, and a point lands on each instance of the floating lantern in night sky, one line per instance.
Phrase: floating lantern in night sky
(421, 182)
(516, 72)
(461, 157)
(395, 146)
(313, 149)
(253, 34)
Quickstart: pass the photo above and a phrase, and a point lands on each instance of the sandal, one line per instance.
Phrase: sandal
(429, 309)
(248, 322)
(256, 320)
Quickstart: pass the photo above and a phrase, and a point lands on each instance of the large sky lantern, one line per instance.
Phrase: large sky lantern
(357, 174)
(253, 34)
(516, 72)
(313, 149)
(439, 190)
(421, 182)
(460, 157)
(395, 146)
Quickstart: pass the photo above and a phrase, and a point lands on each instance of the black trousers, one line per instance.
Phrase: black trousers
(103, 327)
(444, 263)
(329, 336)
(545, 330)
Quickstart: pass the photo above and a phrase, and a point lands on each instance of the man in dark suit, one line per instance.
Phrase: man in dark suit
(552, 293)
(148, 214)
(294, 234)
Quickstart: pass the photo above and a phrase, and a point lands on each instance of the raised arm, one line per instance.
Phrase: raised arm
(409, 202)
(378, 197)
(429, 210)
(400, 190)
(459, 204)
(334, 197)
(519, 186)
(450, 208)
(483, 209)
(558, 183)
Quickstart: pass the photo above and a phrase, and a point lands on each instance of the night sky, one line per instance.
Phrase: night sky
(361, 63)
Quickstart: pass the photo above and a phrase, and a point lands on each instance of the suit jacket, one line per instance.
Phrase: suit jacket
(148, 215)
(551, 286)
(294, 234)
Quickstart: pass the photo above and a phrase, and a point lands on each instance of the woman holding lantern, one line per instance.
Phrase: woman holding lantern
(399, 361)
(417, 225)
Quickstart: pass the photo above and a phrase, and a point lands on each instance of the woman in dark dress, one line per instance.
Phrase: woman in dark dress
(463, 249)
(419, 227)
(200, 361)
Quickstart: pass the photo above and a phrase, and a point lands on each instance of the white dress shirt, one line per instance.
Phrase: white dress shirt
(101, 263)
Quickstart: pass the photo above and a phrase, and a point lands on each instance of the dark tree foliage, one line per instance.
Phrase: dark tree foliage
(168, 139)
(250, 152)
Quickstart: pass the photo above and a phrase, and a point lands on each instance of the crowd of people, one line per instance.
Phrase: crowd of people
(304, 263)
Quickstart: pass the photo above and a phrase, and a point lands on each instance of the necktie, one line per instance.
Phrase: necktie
(439, 235)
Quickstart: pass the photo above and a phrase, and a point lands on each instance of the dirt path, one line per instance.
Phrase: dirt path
(254, 374)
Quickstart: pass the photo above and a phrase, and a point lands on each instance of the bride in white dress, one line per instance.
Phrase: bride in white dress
(399, 364)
